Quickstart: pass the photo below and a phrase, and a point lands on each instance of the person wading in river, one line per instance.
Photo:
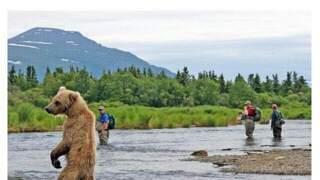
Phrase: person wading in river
(102, 126)
(276, 122)
(249, 112)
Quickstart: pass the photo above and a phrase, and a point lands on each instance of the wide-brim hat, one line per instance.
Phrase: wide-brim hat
(247, 102)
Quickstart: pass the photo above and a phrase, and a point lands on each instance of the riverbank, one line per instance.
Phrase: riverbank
(280, 162)
(28, 118)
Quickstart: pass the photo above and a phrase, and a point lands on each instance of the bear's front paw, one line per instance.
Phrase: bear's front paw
(56, 164)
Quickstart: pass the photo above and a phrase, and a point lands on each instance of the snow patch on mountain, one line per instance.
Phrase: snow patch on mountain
(14, 62)
(37, 42)
(64, 59)
(22, 45)
(72, 43)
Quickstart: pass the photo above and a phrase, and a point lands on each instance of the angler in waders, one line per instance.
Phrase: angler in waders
(249, 112)
(102, 126)
(276, 122)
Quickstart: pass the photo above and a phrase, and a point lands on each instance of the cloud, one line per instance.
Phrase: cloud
(254, 55)
(228, 41)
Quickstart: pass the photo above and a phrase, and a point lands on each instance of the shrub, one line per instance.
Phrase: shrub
(25, 112)
(13, 118)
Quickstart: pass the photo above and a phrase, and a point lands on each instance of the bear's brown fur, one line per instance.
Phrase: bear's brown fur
(78, 143)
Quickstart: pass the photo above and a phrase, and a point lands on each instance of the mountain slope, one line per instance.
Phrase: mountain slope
(49, 47)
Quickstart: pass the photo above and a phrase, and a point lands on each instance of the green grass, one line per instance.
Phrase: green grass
(26, 117)
(288, 113)
(140, 117)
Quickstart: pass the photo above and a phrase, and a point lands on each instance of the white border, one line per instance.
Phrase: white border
(159, 5)
(315, 93)
(149, 5)
(3, 96)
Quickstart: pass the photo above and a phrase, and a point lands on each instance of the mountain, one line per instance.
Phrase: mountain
(50, 47)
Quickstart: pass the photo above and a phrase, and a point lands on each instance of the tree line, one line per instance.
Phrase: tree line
(144, 87)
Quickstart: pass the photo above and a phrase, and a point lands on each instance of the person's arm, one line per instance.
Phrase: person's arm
(105, 125)
(245, 111)
(273, 119)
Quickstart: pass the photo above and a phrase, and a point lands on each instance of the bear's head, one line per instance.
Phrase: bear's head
(63, 101)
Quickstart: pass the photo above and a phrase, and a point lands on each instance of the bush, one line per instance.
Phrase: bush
(13, 119)
(25, 112)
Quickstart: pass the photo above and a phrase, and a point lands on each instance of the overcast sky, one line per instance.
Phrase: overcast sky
(229, 42)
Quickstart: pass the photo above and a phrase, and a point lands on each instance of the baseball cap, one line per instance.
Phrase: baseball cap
(100, 108)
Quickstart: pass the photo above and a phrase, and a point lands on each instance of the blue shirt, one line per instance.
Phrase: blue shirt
(104, 118)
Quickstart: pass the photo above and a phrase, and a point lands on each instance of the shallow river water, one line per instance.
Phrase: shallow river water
(156, 153)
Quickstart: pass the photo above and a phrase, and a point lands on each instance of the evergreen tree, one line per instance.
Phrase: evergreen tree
(21, 81)
(144, 72)
(162, 75)
(222, 84)
(287, 84)
(138, 72)
(275, 84)
(295, 82)
(251, 80)
(150, 73)
(302, 81)
(31, 77)
(300, 84)
(212, 75)
(178, 76)
(48, 71)
(239, 78)
(12, 75)
(72, 70)
(200, 75)
(59, 70)
(267, 85)
(184, 76)
(228, 86)
(257, 83)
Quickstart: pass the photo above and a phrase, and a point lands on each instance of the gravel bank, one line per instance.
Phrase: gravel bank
(280, 162)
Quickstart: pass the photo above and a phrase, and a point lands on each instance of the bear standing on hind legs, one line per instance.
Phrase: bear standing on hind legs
(78, 143)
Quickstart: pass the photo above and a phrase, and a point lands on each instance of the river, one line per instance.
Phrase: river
(156, 153)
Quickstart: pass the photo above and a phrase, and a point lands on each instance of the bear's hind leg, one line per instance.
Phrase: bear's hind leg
(89, 175)
(69, 173)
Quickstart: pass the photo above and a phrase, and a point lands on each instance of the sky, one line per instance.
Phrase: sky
(228, 42)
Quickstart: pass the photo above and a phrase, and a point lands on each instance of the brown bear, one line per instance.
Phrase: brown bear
(78, 142)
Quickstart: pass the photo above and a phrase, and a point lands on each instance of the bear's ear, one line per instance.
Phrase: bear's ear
(62, 88)
(73, 96)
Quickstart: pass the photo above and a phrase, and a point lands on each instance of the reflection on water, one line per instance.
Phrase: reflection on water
(156, 154)
(250, 142)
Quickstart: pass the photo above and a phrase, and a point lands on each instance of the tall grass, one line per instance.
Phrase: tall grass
(140, 117)
(26, 117)
(288, 112)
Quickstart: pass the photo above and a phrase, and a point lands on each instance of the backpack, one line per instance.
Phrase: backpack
(112, 122)
(251, 111)
(258, 114)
